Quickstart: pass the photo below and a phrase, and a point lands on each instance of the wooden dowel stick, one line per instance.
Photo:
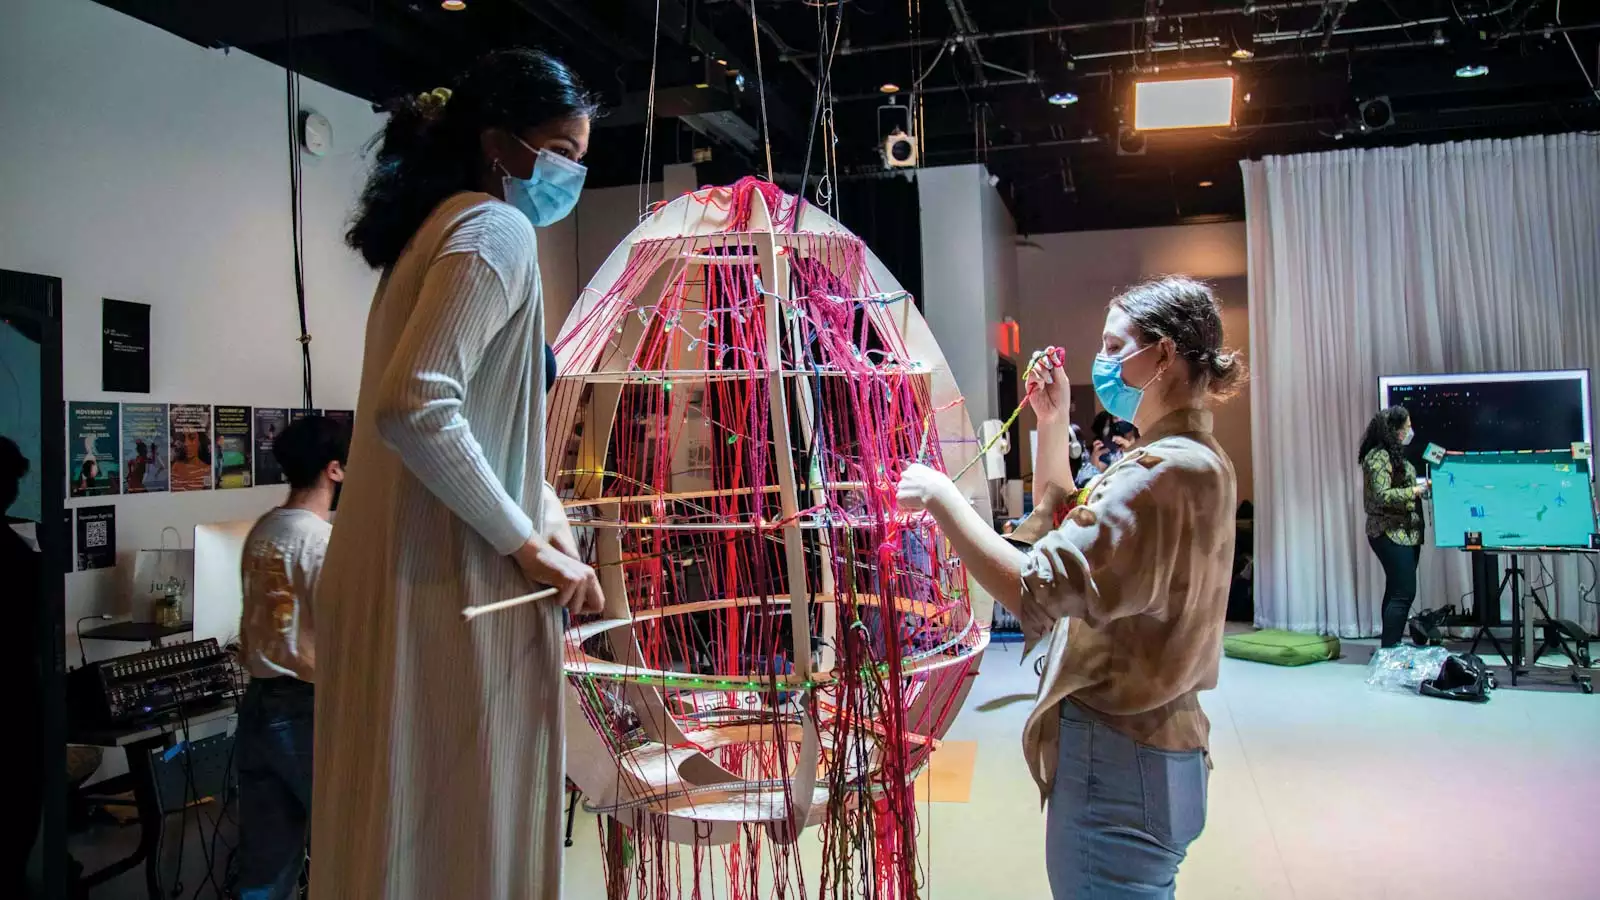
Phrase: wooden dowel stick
(472, 612)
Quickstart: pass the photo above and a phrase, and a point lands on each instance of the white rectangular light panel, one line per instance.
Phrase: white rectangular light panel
(1191, 103)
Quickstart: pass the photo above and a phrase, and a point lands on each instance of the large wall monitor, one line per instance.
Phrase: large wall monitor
(1493, 411)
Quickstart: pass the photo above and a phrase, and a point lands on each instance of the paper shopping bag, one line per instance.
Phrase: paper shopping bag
(161, 572)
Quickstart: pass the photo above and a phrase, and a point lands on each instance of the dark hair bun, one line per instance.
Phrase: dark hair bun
(1226, 373)
(1186, 312)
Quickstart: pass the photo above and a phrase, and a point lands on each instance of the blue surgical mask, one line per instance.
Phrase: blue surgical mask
(1118, 397)
(549, 194)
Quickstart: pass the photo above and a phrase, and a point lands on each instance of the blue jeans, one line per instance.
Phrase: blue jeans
(1122, 815)
(274, 747)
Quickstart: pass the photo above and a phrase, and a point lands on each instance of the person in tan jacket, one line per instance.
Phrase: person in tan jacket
(1130, 589)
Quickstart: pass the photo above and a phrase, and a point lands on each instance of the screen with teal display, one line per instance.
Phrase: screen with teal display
(1542, 499)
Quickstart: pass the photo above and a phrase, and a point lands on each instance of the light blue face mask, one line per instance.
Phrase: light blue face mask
(1120, 398)
(549, 194)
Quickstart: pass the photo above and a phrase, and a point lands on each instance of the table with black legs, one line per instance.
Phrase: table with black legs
(137, 742)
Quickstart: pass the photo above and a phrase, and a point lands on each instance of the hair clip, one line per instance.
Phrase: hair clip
(434, 99)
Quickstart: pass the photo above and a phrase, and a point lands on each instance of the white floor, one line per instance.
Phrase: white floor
(1323, 788)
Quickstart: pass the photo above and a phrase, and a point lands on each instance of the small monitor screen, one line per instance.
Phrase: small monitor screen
(1513, 500)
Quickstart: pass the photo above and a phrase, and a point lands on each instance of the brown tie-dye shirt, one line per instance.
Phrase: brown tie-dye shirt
(1131, 590)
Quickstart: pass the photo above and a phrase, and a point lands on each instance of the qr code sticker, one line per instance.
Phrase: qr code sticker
(95, 534)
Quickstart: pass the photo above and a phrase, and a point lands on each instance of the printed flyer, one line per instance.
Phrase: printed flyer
(190, 447)
(97, 537)
(235, 447)
(346, 419)
(92, 445)
(270, 422)
(144, 444)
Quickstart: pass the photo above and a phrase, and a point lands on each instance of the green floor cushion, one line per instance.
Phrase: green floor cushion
(1281, 648)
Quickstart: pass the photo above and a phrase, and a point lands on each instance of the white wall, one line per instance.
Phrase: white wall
(139, 166)
(969, 276)
(999, 263)
(1065, 283)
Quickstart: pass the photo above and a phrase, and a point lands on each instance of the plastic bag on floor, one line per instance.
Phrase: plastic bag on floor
(1405, 668)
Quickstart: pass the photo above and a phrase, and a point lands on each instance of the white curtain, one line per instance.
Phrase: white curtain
(1469, 257)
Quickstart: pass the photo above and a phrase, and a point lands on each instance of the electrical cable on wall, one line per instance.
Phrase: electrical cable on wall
(291, 80)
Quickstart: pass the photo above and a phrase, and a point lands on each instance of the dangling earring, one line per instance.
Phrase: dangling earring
(1160, 371)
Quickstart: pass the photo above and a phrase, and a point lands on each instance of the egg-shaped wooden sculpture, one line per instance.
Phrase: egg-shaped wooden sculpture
(780, 648)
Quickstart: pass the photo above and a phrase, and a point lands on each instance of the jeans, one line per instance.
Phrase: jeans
(1399, 563)
(1121, 814)
(274, 747)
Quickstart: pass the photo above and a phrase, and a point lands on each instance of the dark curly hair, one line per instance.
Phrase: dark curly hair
(430, 147)
(1383, 432)
(305, 448)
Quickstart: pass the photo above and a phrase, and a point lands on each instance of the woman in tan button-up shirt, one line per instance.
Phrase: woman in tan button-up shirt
(1130, 589)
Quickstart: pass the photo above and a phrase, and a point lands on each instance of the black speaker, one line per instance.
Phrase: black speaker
(1376, 114)
(208, 760)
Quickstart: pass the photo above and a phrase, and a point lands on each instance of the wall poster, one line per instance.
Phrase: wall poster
(190, 450)
(92, 446)
(235, 447)
(97, 537)
(124, 346)
(270, 422)
(346, 419)
(144, 448)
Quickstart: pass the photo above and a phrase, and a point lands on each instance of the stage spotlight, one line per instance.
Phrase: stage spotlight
(1063, 98)
(1206, 184)
(889, 87)
(454, 5)
(899, 150)
(1472, 71)
(1376, 114)
(1189, 103)
(1130, 143)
